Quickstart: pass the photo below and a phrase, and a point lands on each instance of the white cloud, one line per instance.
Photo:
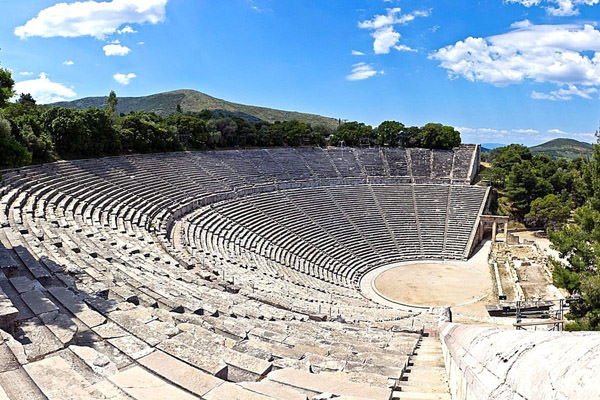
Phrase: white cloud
(140, 43)
(565, 93)
(521, 24)
(68, 63)
(557, 131)
(26, 73)
(557, 8)
(565, 55)
(116, 50)
(362, 71)
(385, 39)
(126, 29)
(527, 136)
(92, 18)
(383, 29)
(44, 90)
(403, 47)
(357, 53)
(124, 79)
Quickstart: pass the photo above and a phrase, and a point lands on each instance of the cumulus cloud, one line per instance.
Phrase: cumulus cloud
(557, 8)
(44, 90)
(565, 93)
(126, 29)
(361, 71)
(92, 18)
(26, 73)
(116, 50)
(565, 55)
(383, 29)
(124, 79)
(68, 63)
(357, 53)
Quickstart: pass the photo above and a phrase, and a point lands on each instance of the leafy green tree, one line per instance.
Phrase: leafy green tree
(410, 137)
(13, 153)
(353, 134)
(548, 211)
(144, 132)
(507, 156)
(523, 186)
(26, 99)
(438, 136)
(6, 86)
(586, 312)
(111, 103)
(390, 133)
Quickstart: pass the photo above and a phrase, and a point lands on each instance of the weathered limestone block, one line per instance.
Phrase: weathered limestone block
(493, 363)
(141, 384)
(98, 362)
(184, 375)
(58, 381)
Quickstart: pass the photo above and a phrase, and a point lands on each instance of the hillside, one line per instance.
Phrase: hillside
(193, 101)
(563, 148)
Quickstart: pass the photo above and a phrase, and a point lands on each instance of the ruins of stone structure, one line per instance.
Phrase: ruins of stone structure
(226, 274)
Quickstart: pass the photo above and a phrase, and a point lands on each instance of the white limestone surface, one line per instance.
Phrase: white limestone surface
(493, 363)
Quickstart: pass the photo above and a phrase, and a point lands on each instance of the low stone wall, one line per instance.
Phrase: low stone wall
(493, 363)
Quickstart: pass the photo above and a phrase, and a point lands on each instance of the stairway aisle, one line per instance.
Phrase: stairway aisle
(425, 378)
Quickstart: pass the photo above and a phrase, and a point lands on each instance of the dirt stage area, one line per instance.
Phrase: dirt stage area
(434, 284)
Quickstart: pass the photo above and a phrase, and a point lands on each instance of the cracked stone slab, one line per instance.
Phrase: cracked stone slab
(98, 362)
(37, 340)
(61, 325)
(131, 346)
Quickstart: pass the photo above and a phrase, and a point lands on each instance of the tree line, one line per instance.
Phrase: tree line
(32, 133)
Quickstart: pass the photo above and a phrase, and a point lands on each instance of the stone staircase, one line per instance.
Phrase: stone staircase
(425, 378)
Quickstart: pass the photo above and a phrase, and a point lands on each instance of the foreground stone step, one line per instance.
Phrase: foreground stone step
(420, 396)
(274, 389)
(58, 381)
(335, 383)
(232, 391)
(18, 385)
(180, 373)
(142, 385)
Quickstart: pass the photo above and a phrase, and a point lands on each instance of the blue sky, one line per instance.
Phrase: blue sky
(500, 70)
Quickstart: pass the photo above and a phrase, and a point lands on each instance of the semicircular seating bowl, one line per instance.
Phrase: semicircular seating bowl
(214, 274)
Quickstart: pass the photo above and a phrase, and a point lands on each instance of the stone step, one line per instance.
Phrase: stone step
(18, 385)
(274, 389)
(143, 385)
(427, 362)
(398, 395)
(425, 387)
(180, 373)
(55, 377)
(337, 384)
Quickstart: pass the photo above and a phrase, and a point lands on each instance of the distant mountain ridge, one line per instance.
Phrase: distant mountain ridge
(564, 148)
(193, 101)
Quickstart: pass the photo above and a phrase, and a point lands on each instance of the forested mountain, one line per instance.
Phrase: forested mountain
(563, 148)
(167, 103)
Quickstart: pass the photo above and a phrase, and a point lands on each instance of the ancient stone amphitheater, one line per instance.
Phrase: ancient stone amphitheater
(233, 275)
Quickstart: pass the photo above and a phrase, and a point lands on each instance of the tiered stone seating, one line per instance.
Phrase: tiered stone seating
(214, 275)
